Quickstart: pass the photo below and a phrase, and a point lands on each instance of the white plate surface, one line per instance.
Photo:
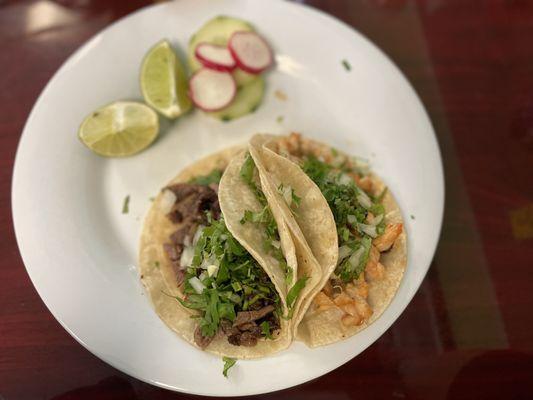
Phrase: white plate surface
(80, 250)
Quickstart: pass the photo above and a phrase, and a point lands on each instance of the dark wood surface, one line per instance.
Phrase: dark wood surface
(468, 333)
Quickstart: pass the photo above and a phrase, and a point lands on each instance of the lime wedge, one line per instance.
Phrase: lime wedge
(164, 81)
(119, 129)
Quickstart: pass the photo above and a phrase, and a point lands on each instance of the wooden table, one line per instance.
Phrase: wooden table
(468, 331)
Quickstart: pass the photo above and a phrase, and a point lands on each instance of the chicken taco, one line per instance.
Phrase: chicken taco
(362, 270)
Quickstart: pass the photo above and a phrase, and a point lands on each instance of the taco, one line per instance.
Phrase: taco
(362, 270)
(218, 261)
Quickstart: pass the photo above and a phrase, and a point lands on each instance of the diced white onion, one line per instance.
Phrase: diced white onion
(202, 276)
(377, 220)
(186, 257)
(223, 237)
(276, 244)
(355, 258)
(344, 251)
(352, 219)
(187, 240)
(168, 199)
(364, 200)
(370, 230)
(197, 235)
(212, 270)
(207, 262)
(345, 179)
(197, 285)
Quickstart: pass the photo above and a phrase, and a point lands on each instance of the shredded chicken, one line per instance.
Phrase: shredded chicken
(352, 297)
(385, 241)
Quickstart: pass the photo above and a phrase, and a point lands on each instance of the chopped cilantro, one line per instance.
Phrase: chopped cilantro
(295, 291)
(280, 119)
(126, 205)
(412, 216)
(265, 329)
(239, 283)
(289, 191)
(228, 363)
(213, 177)
(248, 175)
(351, 267)
(156, 264)
(346, 65)
(264, 217)
(288, 274)
(341, 193)
(295, 199)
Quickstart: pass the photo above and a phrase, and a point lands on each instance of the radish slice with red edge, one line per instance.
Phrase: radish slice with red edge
(251, 52)
(212, 90)
(215, 57)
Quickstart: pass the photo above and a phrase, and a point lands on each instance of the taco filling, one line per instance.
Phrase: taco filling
(230, 292)
(362, 228)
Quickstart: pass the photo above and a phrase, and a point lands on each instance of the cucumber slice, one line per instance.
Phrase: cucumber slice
(245, 102)
(218, 31)
(243, 78)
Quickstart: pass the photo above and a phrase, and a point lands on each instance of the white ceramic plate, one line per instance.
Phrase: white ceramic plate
(80, 250)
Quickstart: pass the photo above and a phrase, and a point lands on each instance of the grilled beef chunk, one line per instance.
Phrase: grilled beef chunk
(214, 186)
(248, 316)
(248, 339)
(245, 330)
(227, 328)
(174, 251)
(192, 201)
(245, 338)
(201, 340)
(185, 234)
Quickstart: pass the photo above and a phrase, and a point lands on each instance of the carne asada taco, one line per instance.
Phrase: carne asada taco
(218, 261)
(371, 254)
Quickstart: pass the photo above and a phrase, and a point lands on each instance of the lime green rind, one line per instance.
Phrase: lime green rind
(163, 81)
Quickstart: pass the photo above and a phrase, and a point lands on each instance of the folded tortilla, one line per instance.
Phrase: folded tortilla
(313, 224)
(308, 239)
(235, 198)
(159, 278)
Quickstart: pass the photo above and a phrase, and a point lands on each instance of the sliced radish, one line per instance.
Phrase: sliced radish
(212, 90)
(251, 52)
(215, 57)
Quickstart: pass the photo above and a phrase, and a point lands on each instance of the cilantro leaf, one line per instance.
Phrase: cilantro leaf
(351, 267)
(228, 363)
(239, 283)
(295, 199)
(213, 177)
(126, 205)
(295, 291)
(346, 65)
(341, 193)
(247, 170)
(264, 216)
(265, 329)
